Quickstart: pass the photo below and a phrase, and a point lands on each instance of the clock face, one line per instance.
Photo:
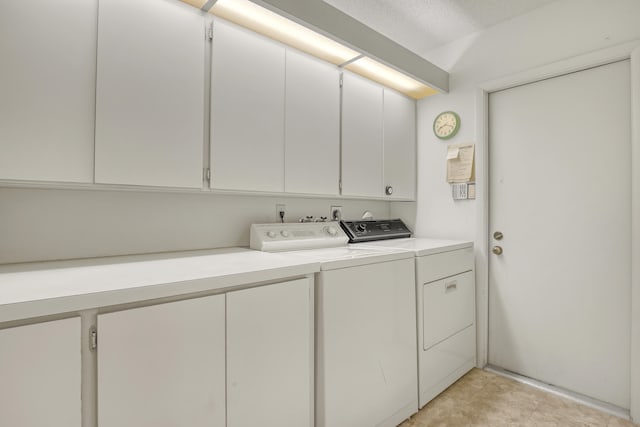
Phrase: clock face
(446, 125)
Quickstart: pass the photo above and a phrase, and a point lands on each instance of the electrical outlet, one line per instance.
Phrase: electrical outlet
(280, 208)
(335, 214)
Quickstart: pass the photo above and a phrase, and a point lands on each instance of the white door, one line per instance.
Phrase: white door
(47, 89)
(399, 145)
(150, 94)
(312, 125)
(270, 355)
(163, 365)
(40, 374)
(559, 192)
(362, 149)
(247, 110)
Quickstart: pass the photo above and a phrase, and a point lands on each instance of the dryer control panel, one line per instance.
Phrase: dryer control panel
(279, 237)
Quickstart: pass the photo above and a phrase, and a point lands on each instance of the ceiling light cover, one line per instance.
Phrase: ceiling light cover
(250, 15)
(196, 3)
(390, 77)
(272, 25)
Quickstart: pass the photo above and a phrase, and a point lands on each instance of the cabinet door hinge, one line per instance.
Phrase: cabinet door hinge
(209, 32)
(93, 338)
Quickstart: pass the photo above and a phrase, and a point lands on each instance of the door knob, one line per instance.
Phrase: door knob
(498, 235)
(497, 250)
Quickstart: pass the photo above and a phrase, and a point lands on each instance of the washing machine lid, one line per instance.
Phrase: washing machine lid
(350, 256)
(419, 246)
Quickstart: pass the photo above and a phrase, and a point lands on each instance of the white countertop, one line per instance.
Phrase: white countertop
(41, 289)
(420, 246)
(350, 256)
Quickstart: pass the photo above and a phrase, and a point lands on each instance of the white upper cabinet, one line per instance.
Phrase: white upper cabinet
(247, 110)
(312, 125)
(40, 370)
(150, 93)
(362, 146)
(47, 89)
(399, 145)
(378, 140)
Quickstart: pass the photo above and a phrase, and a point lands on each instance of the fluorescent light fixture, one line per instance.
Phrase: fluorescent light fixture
(195, 3)
(390, 77)
(272, 25)
(261, 20)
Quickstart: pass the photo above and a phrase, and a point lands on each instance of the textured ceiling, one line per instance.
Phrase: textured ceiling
(422, 25)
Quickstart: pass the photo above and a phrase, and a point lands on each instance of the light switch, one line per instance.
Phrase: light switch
(459, 191)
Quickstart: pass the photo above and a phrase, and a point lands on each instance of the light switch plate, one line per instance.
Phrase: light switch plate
(459, 191)
(471, 190)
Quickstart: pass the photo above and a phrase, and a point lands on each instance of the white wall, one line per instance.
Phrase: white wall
(47, 224)
(554, 32)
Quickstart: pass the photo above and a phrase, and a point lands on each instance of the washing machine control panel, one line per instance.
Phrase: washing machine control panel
(278, 237)
(370, 230)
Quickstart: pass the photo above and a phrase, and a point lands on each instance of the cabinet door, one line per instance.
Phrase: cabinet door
(362, 150)
(312, 128)
(150, 94)
(40, 375)
(270, 356)
(163, 366)
(47, 87)
(247, 111)
(399, 144)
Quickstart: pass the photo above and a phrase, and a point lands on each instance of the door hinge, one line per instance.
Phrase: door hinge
(341, 80)
(207, 174)
(340, 185)
(208, 33)
(93, 338)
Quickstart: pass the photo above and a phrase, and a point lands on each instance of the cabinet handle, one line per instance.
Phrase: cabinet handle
(451, 286)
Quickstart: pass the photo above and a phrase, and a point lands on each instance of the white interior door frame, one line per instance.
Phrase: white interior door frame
(630, 50)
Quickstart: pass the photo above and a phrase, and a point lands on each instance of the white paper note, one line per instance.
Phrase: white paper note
(453, 152)
(461, 168)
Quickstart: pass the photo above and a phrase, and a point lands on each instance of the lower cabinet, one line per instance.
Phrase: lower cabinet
(163, 365)
(270, 356)
(239, 359)
(40, 375)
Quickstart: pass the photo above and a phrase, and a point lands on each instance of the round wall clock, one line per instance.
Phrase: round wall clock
(446, 125)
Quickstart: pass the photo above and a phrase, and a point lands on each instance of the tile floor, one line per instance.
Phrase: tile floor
(482, 398)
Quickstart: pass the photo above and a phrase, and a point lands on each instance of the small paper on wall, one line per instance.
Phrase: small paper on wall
(461, 163)
(453, 152)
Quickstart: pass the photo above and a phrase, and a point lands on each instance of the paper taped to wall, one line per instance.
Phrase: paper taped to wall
(461, 167)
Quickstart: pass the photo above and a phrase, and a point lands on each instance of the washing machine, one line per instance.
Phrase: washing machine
(445, 294)
(365, 300)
